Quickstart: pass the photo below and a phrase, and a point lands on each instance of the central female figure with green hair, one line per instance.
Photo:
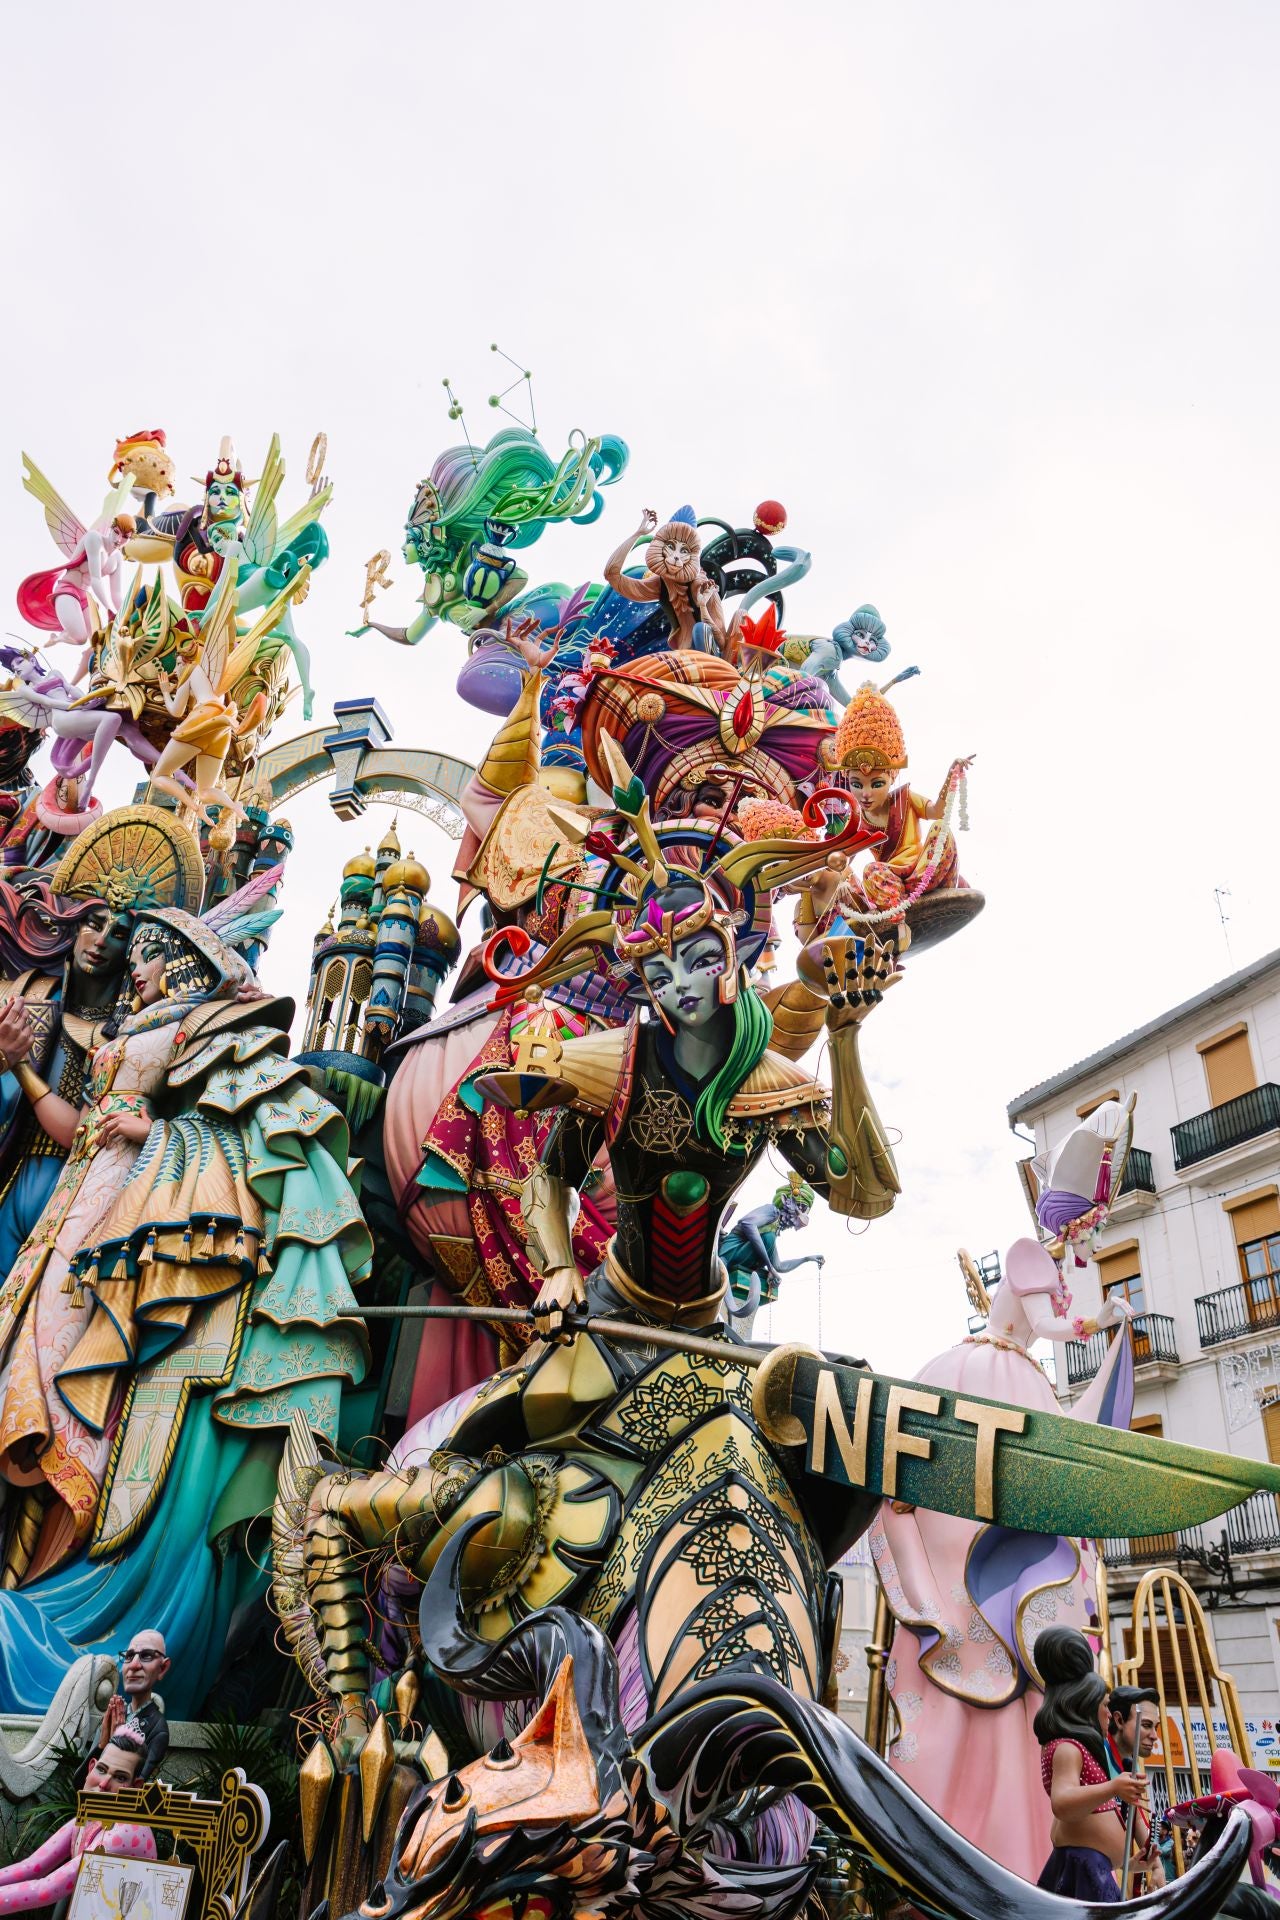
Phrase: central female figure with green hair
(686, 1103)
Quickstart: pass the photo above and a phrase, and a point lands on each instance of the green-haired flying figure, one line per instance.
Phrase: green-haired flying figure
(477, 505)
(749, 1249)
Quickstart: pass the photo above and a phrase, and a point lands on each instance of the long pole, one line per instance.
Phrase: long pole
(1135, 1767)
(631, 1330)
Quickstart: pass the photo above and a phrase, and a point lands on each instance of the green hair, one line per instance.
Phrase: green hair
(752, 1032)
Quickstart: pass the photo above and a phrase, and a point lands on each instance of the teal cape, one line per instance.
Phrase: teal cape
(203, 1547)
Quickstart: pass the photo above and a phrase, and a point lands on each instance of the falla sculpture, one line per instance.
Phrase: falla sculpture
(571, 1643)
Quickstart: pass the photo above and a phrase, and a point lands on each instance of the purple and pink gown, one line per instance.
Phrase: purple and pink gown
(969, 1599)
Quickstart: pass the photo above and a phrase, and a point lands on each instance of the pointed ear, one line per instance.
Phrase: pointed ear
(544, 1728)
(557, 1727)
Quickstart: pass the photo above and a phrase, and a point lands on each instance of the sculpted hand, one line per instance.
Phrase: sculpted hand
(648, 521)
(17, 1035)
(522, 637)
(1115, 1310)
(562, 1291)
(123, 1126)
(1131, 1788)
(113, 1717)
(858, 975)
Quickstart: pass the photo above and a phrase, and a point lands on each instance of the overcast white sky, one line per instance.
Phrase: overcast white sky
(986, 295)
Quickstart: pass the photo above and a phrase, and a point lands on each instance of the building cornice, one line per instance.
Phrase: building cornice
(1096, 1063)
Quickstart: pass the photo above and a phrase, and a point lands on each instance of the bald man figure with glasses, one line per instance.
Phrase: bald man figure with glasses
(143, 1665)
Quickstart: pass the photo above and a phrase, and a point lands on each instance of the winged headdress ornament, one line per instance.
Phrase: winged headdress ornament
(662, 885)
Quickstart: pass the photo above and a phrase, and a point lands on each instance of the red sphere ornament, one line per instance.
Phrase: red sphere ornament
(770, 517)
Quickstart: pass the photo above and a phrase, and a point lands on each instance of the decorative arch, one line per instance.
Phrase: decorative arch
(355, 752)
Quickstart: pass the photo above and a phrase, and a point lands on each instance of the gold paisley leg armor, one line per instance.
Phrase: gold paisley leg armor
(24, 1532)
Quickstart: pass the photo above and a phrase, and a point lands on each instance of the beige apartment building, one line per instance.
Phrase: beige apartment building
(1194, 1245)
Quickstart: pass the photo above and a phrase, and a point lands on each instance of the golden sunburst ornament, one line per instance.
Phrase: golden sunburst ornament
(134, 857)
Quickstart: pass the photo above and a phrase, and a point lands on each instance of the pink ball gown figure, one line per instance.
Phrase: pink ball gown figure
(970, 1599)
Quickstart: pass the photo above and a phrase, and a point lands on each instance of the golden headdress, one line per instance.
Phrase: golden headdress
(869, 736)
(731, 887)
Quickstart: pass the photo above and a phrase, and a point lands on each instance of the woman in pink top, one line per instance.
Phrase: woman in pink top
(49, 1873)
(1088, 1804)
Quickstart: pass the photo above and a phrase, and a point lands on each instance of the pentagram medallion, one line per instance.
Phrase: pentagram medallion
(663, 1122)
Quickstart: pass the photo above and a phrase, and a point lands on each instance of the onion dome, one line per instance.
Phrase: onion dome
(390, 841)
(407, 875)
(437, 932)
(869, 735)
(362, 867)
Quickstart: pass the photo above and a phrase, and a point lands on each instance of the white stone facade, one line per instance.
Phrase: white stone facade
(1212, 1356)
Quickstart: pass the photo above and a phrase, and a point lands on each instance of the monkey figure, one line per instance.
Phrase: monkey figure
(673, 576)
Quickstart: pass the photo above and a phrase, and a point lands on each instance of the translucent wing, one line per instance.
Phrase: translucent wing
(244, 900)
(67, 529)
(117, 501)
(16, 705)
(310, 510)
(218, 626)
(243, 654)
(259, 540)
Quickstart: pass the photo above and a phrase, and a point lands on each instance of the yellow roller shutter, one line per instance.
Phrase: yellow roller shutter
(1228, 1065)
(1255, 1218)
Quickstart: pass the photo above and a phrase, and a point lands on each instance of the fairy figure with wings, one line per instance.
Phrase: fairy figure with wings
(58, 600)
(272, 554)
(37, 696)
(213, 658)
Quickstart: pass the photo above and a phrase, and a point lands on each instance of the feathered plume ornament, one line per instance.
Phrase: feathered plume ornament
(238, 920)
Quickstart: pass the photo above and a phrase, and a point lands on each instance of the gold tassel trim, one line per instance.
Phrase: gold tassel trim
(206, 1245)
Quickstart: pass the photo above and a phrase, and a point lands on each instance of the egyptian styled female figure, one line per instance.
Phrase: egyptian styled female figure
(185, 1289)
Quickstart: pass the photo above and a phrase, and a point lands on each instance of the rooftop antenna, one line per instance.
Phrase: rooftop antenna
(1219, 895)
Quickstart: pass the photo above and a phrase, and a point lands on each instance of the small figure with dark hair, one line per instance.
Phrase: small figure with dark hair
(49, 1874)
(1088, 1804)
(1134, 1728)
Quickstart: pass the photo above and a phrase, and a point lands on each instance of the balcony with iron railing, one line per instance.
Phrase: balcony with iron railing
(1252, 1527)
(1236, 1121)
(1232, 1313)
(1138, 1176)
(1154, 1344)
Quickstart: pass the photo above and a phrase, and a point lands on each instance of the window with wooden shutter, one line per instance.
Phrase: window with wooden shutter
(1120, 1271)
(1271, 1427)
(1122, 1267)
(1255, 1223)
(1228, 1064)
(1150, 1423)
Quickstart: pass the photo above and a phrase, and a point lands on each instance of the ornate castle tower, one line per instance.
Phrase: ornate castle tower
(375, 975)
